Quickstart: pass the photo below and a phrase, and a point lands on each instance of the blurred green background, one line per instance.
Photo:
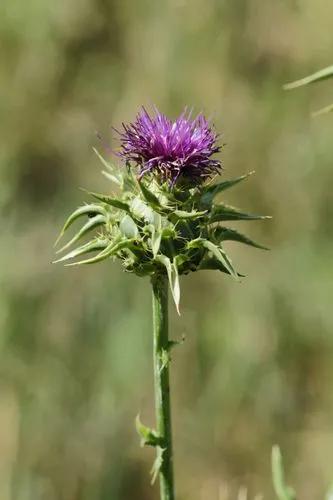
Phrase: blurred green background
(75, 348)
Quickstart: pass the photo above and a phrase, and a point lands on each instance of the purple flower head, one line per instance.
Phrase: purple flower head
(180, 149)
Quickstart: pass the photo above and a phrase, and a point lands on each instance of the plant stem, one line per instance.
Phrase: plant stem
(162, 388)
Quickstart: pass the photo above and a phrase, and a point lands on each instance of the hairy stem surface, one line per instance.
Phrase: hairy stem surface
(162, 388)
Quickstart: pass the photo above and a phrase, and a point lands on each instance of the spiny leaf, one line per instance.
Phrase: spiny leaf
(114, 202)
(128, 227)
(165, 200)
(84, 210)
(180, 259)
(109, 200)
(111, 249)
(176, 286)
(140, 210)
(148, 436)
(156, 233)
(227, 234)
(164, 359)
(172, 272)
(220, 254)
(282, 491)
(103, 160)
(91, 246)
(91, 224)
(129, 181)
(156, 240)
(217, 251)
(174, 343)
(214, 264)
(224, 212)
(148, 195)
(157, 464)
(182, 214)
(110, 175)
(211, 191)
(322, 74)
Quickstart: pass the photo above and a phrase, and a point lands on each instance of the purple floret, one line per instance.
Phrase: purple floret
(172, 149)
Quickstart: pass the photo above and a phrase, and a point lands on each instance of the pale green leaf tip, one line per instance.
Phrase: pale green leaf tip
(322, 111)
(57, 260)
(62, 248)
(65, 257)
(276, 453)
(298, 83)
(67, 245)
(81, 262)
(282, 490)
(293, 85)
(58, 238)
(322, 74)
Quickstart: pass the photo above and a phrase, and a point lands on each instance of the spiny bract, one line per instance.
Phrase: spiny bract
(155, 227)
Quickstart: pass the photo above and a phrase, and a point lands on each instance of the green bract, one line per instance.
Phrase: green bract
(156, 228)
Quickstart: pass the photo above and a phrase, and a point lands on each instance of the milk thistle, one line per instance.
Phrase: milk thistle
(162, 221)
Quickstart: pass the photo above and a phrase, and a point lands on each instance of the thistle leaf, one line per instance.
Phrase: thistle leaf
(140, 210)
(84, 210)
(174, 343)
(220, 254)
(111, 249)
(128, 227)
(214, 264)
(91, 246)
(157, 464)
(224, 212)
(182, 214)
(211, 191)
(176, 286)
(322, 74)
(148, 436)
(129, 181)
(110, 175)
(156, 233)
(156, 241)
(227, 234)
(149, 196)
(282, 490)
(91, 224)
(172, 272)
(217, 252)
(114, 202)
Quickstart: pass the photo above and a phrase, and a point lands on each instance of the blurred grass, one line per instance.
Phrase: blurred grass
(75, 345)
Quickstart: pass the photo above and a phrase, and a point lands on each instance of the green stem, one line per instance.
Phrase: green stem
(162, 389)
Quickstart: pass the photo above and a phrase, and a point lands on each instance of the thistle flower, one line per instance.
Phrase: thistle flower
(175, 150)
(156, 227)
